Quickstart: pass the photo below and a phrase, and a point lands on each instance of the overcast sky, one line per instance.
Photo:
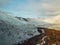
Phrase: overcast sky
(31, 8)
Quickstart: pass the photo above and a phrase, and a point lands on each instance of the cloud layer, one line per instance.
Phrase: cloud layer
(42, 7)
(39, 8)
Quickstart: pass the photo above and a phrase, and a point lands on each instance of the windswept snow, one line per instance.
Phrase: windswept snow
(39, 22)
(13, 30)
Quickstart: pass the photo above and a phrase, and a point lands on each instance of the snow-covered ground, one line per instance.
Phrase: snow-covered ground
(13, 30)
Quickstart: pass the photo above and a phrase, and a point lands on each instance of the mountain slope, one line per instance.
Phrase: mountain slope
(13, 30)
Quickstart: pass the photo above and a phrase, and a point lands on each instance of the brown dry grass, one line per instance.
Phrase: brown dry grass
(53, 36)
